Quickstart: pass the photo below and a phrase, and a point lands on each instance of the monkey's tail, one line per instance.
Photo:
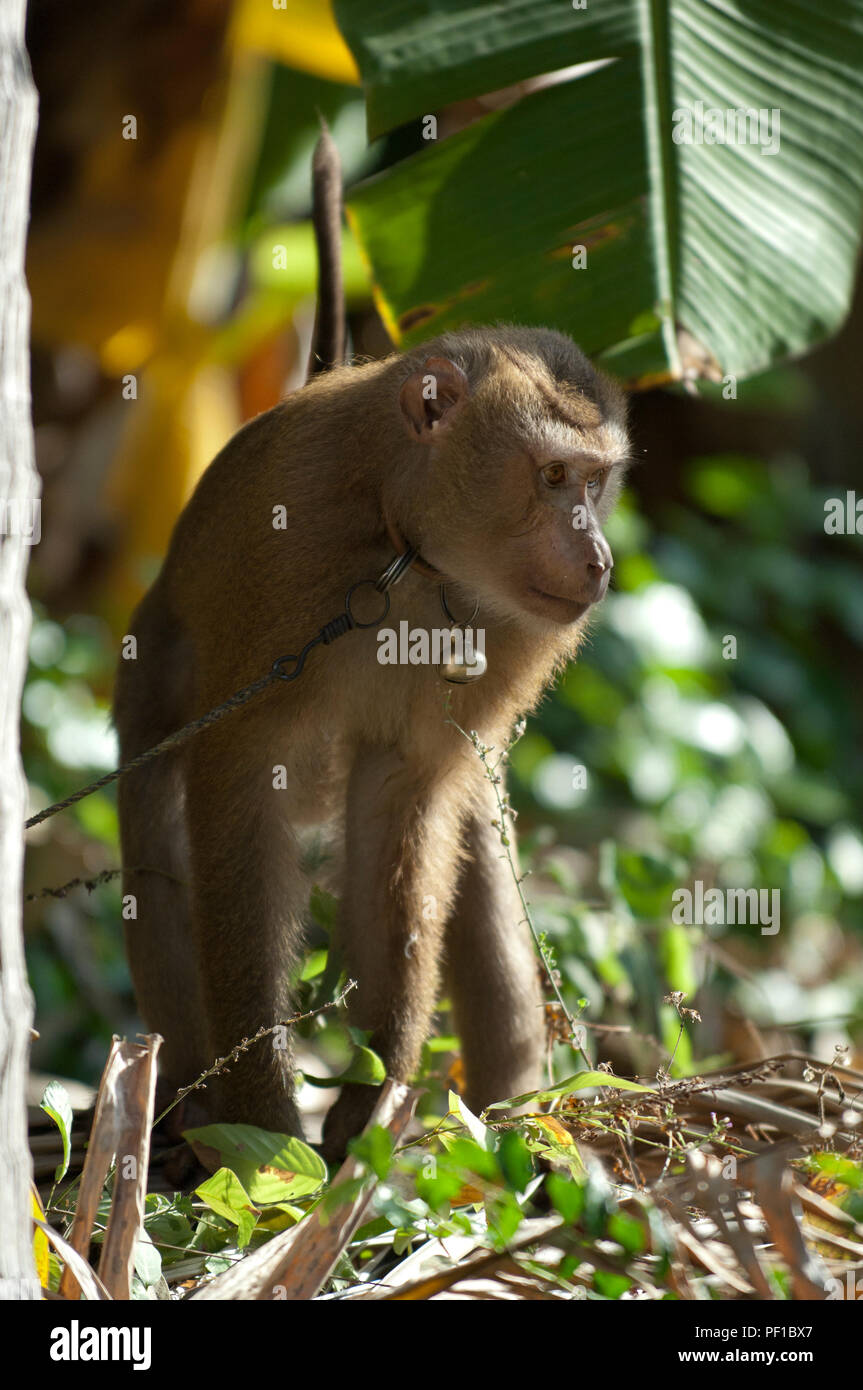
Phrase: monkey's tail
(328, 346)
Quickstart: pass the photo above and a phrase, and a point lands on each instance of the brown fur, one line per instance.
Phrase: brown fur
(364, 744)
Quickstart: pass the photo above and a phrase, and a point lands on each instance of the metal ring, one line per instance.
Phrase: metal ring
(395, 569)
(362, 583)
(464, 622)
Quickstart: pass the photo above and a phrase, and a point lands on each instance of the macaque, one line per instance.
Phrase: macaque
(497, 453)
(491, 457)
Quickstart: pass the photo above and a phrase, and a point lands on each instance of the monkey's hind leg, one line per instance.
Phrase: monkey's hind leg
(248, 893)
(493, 976)
(159, 944)
(152, 701)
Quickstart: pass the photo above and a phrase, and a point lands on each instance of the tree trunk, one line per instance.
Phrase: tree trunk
(19, 491)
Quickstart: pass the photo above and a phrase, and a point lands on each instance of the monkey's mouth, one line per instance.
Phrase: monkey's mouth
(565, 610)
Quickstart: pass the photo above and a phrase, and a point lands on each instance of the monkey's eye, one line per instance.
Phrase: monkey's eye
(554, 474)
(596, 480)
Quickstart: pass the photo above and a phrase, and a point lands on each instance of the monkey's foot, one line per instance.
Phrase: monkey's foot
(346, 1119)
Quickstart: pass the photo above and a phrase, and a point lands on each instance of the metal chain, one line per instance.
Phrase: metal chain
(280, 671)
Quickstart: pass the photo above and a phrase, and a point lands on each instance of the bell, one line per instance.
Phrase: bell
(472, 666)
(460, 673)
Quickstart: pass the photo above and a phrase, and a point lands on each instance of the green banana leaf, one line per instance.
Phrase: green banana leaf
(702, 257)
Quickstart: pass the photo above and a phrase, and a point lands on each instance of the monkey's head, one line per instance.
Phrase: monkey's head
(520, 449)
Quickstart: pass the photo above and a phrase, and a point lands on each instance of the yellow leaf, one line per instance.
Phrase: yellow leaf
(40, 1240)
(184, 414)
(554, 1127)
(455, 1077)
(302, 35)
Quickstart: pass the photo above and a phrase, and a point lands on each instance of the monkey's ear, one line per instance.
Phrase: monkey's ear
(431, 397)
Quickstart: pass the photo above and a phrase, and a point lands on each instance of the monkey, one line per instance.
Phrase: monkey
(487, 460)
(496, 454)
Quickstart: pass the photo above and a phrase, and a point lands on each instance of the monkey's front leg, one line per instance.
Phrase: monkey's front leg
(401, 865)
(493, 972)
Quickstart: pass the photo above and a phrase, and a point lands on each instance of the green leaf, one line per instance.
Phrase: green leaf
(581, 1081)
(507, 183)
(628, 1232)
(678, 959)
(56, 1103)
(225, 1195)
(504, 1217)
(439, 1189)
(611, 1285)
(679, 233)
(168, 1229)
(515, 1161)
(364, 1069)
(415, 59)
(465, 1156)
(148, 1262)
(474, 1126)
(567, 1196)
(444, 1042)
(271, 1167)
(314, 965)
(560, 1155)
(843, 1170)
(375, 1148)
(323, 907)
(599, 1202)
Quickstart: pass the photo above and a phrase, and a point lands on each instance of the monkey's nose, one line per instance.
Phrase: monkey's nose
(599, 568)
(602, 559)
